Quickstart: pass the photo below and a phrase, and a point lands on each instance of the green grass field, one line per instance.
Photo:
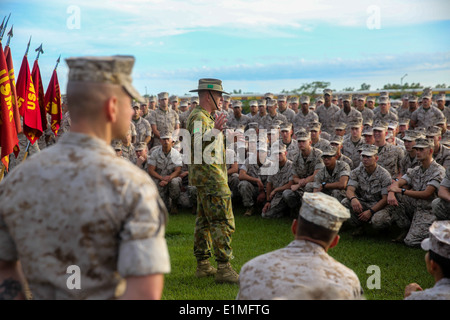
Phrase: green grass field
(398, 265)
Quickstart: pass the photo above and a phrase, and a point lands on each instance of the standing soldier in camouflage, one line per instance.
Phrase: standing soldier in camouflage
(326, 112)
(152, 103)
(143, 128)
(145, 111)
(273, 116)
(304, 116)
(426, 115)
(346, 113)
(333, 177)
(367, 191)
(163, 118)
(366, 113)
(384, 111)
(174, 102)
(214, 224)
(283, 108)
(253, 109)
(107, 219)
(441, 205)
(410, 198)
(262, 112)
(164, 166)
(440, 100)
(354, 141)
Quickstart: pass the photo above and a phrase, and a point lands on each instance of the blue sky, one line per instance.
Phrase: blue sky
(256, 46)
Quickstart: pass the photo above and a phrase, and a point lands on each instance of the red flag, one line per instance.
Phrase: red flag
(8, 133)
(27, 102)
(12, 79)
(53, 102)
(37, 81)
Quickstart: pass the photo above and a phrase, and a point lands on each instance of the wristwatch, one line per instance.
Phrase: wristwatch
(403, 191)
(323, 184)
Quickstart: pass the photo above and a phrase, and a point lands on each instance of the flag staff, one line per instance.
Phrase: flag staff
(39, 51)
(10, 35)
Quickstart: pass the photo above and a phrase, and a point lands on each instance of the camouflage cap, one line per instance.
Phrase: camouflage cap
(286, 127)
(281, 97)
(440, 97)
(237, 104)
(405, 96)
(347, 97)
(434, 131)
(329, 150)
(253, 125)
(303, 135)
(424, 143)
(195, 100)
(163, 95)
(320, 99)
(427, 93)
(412, 135)
(367, 122)
(305, 99)
(117, 145)
(271, 102)
(140, 146)
(439, 239)
(421, 130)
(274, 126)
(253, 103)
(262, 102)
(173, 98)
(314, 126)
(367, 131)
(370, 98)
(380, 125)
(328, 92)
(384, 93)
(392, 124)
(262, 147)
(340, 126)
(165, 135)
(152, 98)
(183, 103)
(361, 97)
(355, 122)
(294, 100)
(115, 70)
(209, 84)
(226, 97)
(413, 98)
(323, 210)
(383, 100)
(336, 139)
(403, 121)
(268, 95)
(369, 150)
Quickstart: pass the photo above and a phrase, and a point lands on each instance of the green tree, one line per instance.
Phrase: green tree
(349, 89)
(310, 89)
(364, 87)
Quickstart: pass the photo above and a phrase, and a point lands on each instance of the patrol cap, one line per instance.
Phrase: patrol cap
(367, 122)
(440, 97)
(281, 97)
(305, 99)
(320, 99)
(314, 126)
(413, 98)
(427, 93)
(403, 121)
(136, 105)
(347, 97)
(183, 103)
(195, 100)
(237, 104)
(286, 127)
(384, 94)
(323, 210)
(163, 95)
(209, 84)
(367, 131)
(303, 136)
(262, 102)
(380, 125)
(268, 95)
(114, 70)
(117, 145)
(262, 147)
(434, 131)
(361, 97)
(383, 100)
(253, 103)
(328, 92)
(253, 125)
(439, 239)
(140, 146)
(336, 139)
(294, 100)
(412, 135)
(405, 97)
(424, 143)
(274, 126)
(152, 98)
(369, 150)
(329, 150)
(165, 135)
(173, 98)
(370, 98)
(226, 98)
(421, 130)
(271, 102)
(340, 126)
(392, 124)
(355, 122)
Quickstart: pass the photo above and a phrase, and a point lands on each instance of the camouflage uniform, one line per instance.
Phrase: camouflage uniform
(341, 116)
(188, 195)
(346, 159)
(237, 123)
(389, 116)
(143, 129)
(288, 113)
(441, 207)
(340, 170)
(326, 117)
(107, 218)
(350, 149)
(233, 179)
(442, 156)
(279, 179)
(164, 120)
(165, 165)
(247, 189)
(408, 163)
(426, 117)
(389, 157)
(269, 120)
(292, 150)
(303, 265)
(214, 224)
(301, 121)
(321, 144)
(128, 152)
(367, 114)
(369, 189)
(66, 122)
(412, 213)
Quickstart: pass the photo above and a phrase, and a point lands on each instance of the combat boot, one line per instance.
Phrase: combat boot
(249, 212)
(225, 273)
(205, 269)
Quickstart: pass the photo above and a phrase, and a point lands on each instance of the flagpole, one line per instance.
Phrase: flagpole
(28, 47)
(26, 151)
(10, 35)
(2, 172)
(39, 51)
(2, 32)
(57, 61)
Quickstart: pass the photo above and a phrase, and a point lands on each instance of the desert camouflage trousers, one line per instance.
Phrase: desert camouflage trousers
(169, 193)
(441, 209)
(214, 226)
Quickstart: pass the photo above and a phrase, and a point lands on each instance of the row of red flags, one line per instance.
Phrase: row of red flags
(26, 100)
